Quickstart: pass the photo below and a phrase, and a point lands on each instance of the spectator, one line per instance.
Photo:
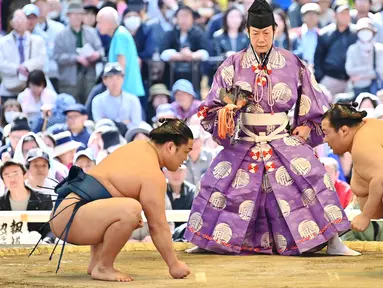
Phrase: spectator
(77, 49)
(199, 158)
(294, 13)
(30, 56)
(342, 188)
(38, 165)
(111, 140)
(362, 10)
(232, 37)
(364, 61)
(133, 17)
(330, 59)
(282, 34)
(21, 198)
(327, 15)
(140, 133)
(179, 191)
(18, 128)
(90, 17)
(76, 116)
(49, 141)
(163, 111)
(158, 94)
(65, 148)
(122, 50)
(48, 30)
(85, 160)
(306, 36)
(184, 44)
(35, 96)
(185, 104)
(114, 103)
(367, 102)
(10, 110)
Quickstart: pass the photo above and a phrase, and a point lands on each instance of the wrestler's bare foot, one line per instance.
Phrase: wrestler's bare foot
(109, 274)
(337, 248)
(196, 250)
(94, 257)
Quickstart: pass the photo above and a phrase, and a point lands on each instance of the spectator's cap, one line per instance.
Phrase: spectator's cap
(184, 86)
(111, 139)
(37, 153)
(143, 128)
(103, 124)
(379, 111)
(91, 9)
(30, 9)
(196, 130)
(64, 143)
(365, 23)
(112, 69)
(310, 7)
(341, 5)
(158, 89)
(164, 111)
(75, 7)
(84, 153)
(20, 123)
(76, 108)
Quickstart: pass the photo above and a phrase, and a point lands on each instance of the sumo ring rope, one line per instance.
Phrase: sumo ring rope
(360, 246)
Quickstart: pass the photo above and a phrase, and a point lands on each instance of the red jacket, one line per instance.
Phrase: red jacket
(344, 192)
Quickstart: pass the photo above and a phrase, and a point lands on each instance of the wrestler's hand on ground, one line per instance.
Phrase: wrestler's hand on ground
(302, 131)
(179, 270)
(360, 223)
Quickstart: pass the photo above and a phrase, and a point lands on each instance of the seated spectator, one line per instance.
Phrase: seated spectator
(85, 160)
(364, 60)
(367, 102)
(57, 170)
(51, 115)
(282, 35)
(179, 191)
(10, 110)
(342, 188)
(158, 94)
(21, 198)
(114, 103)
(38, 165)
(327, 15)
(90, 15)
(199, 158)
(185, 104)
(163, 111)
(18, 128)
(140, 133)
(35, 96)
(111, 140)
(65, 148)
(49, 141)
(76, 116)
(362, 10)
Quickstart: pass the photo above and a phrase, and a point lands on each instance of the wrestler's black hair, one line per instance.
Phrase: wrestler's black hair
(9, 164)
(344, 115)
(171, 130)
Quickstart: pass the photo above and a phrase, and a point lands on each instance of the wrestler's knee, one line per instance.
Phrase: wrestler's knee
(131, 210)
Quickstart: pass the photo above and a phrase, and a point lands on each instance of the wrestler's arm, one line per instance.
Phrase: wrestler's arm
(152, 199)
(368, 158)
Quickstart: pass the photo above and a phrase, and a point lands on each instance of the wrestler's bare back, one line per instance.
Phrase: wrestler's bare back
(124, 171)
(369, 138)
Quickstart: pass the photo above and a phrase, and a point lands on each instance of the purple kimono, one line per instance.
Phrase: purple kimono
(266, 196)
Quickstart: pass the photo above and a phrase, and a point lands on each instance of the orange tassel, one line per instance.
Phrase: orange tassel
(225, 122)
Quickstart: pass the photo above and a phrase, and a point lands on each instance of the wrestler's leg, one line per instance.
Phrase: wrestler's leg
(107, 221)
(95, 251)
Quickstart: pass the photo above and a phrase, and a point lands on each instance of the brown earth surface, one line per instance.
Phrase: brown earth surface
(149, 270)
